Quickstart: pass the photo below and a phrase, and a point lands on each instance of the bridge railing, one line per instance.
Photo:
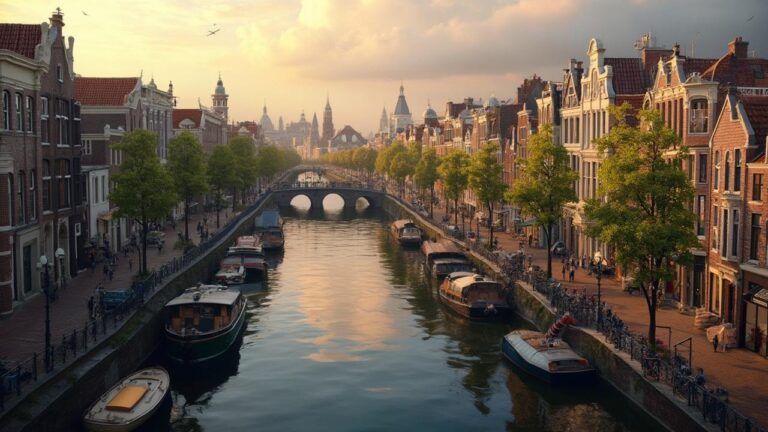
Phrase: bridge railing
(330, 185)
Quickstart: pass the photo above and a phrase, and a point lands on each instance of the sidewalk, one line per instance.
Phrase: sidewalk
(742, 372)
(23, 333)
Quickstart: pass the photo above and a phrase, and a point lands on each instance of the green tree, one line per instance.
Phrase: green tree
(399, 169)
(546, 184)
(365, 160)
(143, 189)
(270, 161)
(426, 174)
(453, 171)
(643, 209)
(246, 168)
(485, 179)
(186, 165)
(221, 175)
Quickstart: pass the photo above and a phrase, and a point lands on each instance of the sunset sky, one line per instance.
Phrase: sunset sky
(291, 52)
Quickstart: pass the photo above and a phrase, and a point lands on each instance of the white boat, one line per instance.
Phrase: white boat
(129, 403)
(546, 356)
(230, 274)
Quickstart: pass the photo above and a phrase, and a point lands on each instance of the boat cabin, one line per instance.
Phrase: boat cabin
(202, 310)
(474, 288)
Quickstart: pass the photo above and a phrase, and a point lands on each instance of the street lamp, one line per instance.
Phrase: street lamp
(43, 266)
(597, 267)
(60, 256)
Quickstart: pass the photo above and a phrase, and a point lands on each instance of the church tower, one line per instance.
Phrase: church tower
(220, 98)
(314, 137)
(327, 122)
(384, 121)
(401, 118)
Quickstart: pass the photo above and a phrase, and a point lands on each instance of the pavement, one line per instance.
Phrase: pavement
(740, 371)
(23, 332)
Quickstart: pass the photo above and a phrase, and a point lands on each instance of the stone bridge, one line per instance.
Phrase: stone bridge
(283, 194)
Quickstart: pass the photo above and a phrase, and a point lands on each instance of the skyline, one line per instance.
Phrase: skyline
(291, 54)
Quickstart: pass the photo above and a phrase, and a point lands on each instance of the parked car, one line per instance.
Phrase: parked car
(116, 298)
(558, 249)
(454, 231)
(155, 238)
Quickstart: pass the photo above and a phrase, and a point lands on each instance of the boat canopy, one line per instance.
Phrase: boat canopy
(473, 285)
(127, 398)
(403, 223)
(269, 218)
(442, 248)
(206, 294)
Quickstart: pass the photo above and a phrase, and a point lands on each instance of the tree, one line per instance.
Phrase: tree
(221, 175)
(399, 169)
(426, 174)
(270, 161)
(546, 184)
(245, 165)
(186, 165)
(453, 172)
(485, 179)
(384, 158)
(143, 189)
(644, 210)
(365, 160)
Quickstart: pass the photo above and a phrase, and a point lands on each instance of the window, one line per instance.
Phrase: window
(64, 182)
(6, 110)
(59, 73)
(33, 195)
(29, 107)
(87, 146)
(727, 174)
(735, 234)
(699, 116)
(103, 188)
(757, 187)
(690, 167)
(737, 170)
(724, 237)
(703, 168)
(754, 236)
(44, 138)
(46, 184)
(22, 215)
(95, 190)
(701, 212)
(716, 178)
(62, 118)
(19, 114)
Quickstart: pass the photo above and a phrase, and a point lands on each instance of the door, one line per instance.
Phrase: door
(27, 268)
(730, 304)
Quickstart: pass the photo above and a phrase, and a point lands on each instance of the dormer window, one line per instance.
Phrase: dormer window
(59, 73)
(737, 170)
(727, 176)
(699, 116)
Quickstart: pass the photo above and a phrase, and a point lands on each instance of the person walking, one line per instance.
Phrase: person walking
(91, 304)
(571, 274)
(160, 248)
(715, 342)
(130, 264)
(564, 271)
(105, 270)
(111, 273)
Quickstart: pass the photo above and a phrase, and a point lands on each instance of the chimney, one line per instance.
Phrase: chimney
(57, 19)
(738, 47)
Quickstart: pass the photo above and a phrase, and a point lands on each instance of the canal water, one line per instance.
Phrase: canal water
(349, 335)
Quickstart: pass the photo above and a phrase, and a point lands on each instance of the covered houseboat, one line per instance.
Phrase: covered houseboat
(203, 322)
(406, 232)
(443, 257)
(269, 227)
(247, 252)
(474, 296)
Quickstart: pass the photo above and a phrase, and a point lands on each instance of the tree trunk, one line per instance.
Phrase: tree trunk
(490, 225)
(431, 200)
(218, 207)
(144, 232)
(186, 218)
(455, 211)
(652, 314)
(548, 234)
(234, 199)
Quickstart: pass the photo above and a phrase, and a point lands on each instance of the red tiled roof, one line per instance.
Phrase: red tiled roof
(103, 91)
(699, 65)
(194, 114)
(756, 108)
(629, 77)
(730, 69)
(20, 38)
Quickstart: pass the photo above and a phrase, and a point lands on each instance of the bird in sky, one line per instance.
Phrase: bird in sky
(213, 32)
(750, 18)
(84, 13)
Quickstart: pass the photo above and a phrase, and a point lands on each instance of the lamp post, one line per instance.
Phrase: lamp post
(598, 269)
(43, 265)
(60, 256)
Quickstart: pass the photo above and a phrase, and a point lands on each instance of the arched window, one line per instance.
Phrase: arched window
(33, 195)
(29, 107)
(46, 184)
(22, 215)
(716, 177)
(6, 110)
(699, 122)
(727, 175)
(19, 115)
(737, 170)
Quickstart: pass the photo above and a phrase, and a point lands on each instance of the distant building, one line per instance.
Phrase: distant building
(207, 124)
(401, 117)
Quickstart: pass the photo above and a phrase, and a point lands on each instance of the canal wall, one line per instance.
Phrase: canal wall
(655, 400)
(59, 404)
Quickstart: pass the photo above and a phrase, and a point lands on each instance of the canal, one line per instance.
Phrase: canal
(349, 335)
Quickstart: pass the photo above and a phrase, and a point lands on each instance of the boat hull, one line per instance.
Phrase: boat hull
(410, 242)
(558, 378)
(476, 313)
(188, 350)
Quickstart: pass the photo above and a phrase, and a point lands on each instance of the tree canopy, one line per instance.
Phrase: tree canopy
(426, 173)
(645, 213)
(546, 184)
(245, 168)
(485, 179)
(453, 171)
(221, 174)
(186, 165)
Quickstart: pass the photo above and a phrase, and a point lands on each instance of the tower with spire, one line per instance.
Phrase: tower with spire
(401, 118)
(220, 98)
(384, 121)
(314, 136)
(327, 122)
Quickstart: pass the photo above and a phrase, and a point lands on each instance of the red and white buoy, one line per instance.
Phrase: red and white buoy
(555, 329)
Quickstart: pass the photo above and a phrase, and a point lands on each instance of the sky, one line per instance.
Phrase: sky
(291, 54)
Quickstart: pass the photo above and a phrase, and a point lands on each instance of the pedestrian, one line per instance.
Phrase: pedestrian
(91, 304)
(571, 274)
(205, 221)
(563, 271)
(530, 240)
(130, 264)
(715, 342)
(160, 248)
(105, 269)
(496, 243)
(111, 273)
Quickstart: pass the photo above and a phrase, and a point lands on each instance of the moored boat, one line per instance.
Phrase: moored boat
(203, 322)
(269, 226)
(230, 274)
(406, 232)
(443, 257)
(130, 402)
(546, 356)
(474, 296)
(247, 252)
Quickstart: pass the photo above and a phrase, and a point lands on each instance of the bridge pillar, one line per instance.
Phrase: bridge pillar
(315, 201)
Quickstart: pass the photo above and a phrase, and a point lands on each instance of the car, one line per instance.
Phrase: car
(559, 249)
(116, 298)
(453, 230)
(155, 238)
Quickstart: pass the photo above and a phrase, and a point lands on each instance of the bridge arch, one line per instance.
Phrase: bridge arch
(283, 196)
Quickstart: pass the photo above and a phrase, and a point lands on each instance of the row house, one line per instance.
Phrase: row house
(157, 114)
(42, 205)
(209, 125)
(737, 287)
(587, 96)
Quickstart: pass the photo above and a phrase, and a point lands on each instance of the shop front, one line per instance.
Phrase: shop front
(755, 300)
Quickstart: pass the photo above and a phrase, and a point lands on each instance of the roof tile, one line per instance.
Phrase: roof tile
(194, 114)
(629, 77)
(103, 91)
(20, 38)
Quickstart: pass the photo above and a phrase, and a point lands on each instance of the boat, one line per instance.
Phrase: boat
(130, 402)
(247, 252)
(230, 273)
(443, 257)
(203, 322)
(546, 356)
(406, 232)
(474, 296)
(269, 226)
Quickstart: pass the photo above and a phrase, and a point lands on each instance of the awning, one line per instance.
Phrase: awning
(758, 295)
(106, 216)
(529, 222)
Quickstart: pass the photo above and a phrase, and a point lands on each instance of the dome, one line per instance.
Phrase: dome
(152, 84)
(429, 113)
(220, 87)
(266, 122)
(492, 102)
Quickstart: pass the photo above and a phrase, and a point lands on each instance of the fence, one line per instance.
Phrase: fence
(17, 379)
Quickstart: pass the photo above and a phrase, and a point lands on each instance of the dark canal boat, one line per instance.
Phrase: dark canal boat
(203, 322)
(269, 227)
(406, 232)
(443, 257)
(474, 296)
